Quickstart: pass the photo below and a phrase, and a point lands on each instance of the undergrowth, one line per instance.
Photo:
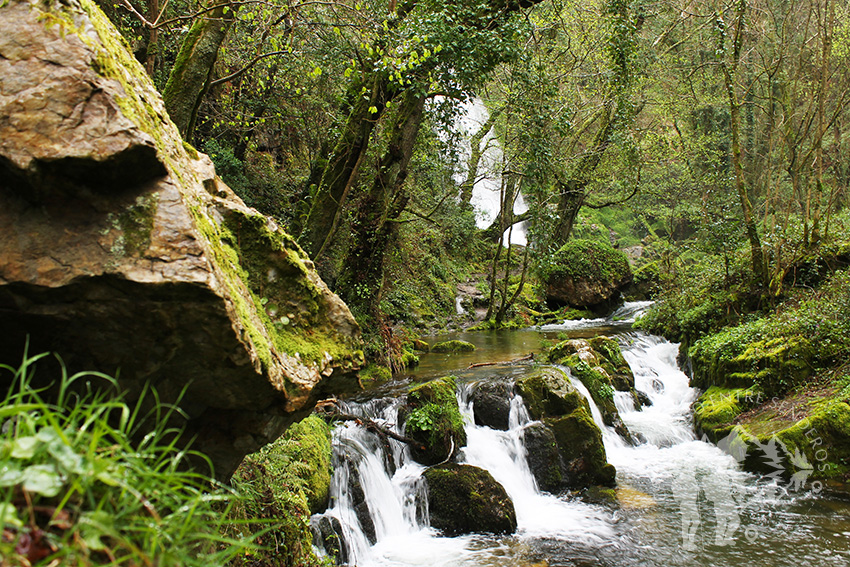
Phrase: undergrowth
(82, 484)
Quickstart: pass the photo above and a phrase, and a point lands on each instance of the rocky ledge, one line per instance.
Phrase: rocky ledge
(123, 252)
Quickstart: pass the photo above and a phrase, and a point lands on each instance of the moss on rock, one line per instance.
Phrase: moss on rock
(464, 499)
(433, 419)
(453, 346)
(547, 392)
(587, 273)
(581, 449)
(375, 373)
(310, 444)
(733, 359)
(716, 409)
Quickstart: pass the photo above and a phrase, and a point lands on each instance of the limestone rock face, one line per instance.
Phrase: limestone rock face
(121, 250)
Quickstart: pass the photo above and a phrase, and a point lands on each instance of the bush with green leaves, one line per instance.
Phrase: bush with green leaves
(82, 483)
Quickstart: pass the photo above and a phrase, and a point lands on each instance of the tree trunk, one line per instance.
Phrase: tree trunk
(192, 72)
(342, 168)
(475, 159)
(573, 191)
(375, 228)
(729, 71)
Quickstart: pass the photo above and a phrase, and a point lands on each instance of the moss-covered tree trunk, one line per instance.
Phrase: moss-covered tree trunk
(474, 160)
(375, 228)
(573, 191)
(192, 72)
(343, 166)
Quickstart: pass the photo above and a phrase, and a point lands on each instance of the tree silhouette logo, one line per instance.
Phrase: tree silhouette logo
(731, 498)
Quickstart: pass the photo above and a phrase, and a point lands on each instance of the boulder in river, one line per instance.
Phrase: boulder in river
(581, 449)
(587, 274)
(543, 457)
(547, 392)
(433, 420)
(491, 403)
(121, 250)
(453, 346)
(464, 499)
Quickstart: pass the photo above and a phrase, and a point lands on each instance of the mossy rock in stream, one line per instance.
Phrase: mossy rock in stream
(433, 420)
(598, 384)
(581, 449)
(491, 403)
(544, 460)
(547, 392)
(453, 347)
(463, 499)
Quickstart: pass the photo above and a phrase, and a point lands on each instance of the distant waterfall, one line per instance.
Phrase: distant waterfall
(486, 195)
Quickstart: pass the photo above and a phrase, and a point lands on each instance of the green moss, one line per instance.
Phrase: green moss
(547, 392)
(581, 448)
(375, 373)
(453, 346)
(465, 499)
(588, 259)
(136, 223)
(716, 409)
(310, 444)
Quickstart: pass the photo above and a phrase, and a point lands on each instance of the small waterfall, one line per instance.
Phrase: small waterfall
(609, 437)
(624, 316)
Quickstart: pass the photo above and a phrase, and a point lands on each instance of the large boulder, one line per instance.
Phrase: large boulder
(579, 459)
(547, 392)
(433, 420)
(121, 250)
(581, 449)
(491, 404)
(464, 499)
(588, 274)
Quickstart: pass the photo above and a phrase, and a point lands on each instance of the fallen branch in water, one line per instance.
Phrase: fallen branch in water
(502, 363)
(331, 411)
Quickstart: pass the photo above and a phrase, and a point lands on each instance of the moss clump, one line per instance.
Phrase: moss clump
(581, 449)
(716, 410)
(375, 374)
(588, 259)
(464, 499)
(737, 358)
(309, 442)
(547, 392)
(452, 347)
(433, 419)
(613, 362)
(283, 484)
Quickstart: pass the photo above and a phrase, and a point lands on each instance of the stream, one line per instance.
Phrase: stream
(680, 501)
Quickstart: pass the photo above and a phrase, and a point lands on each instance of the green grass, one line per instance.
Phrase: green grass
(81, 483)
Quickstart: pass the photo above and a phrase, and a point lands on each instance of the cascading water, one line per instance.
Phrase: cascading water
(681, 501)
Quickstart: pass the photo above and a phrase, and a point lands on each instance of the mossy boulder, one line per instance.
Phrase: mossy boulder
(374, 374)
(463, 499)
(774, 365)
(491, 404)
(581, 449)
(123, 250)
(599, 365)
(587, 274)
(548, 392)
(543, 458)
(453, 347)
(433, 420)
(716, 409)
(310, 441)
(805, 435)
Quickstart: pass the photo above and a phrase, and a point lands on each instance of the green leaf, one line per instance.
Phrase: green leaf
(10, 474)
(95, 525)
(42, 479)
(9, 515)
(24, 447)
(373, 109)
